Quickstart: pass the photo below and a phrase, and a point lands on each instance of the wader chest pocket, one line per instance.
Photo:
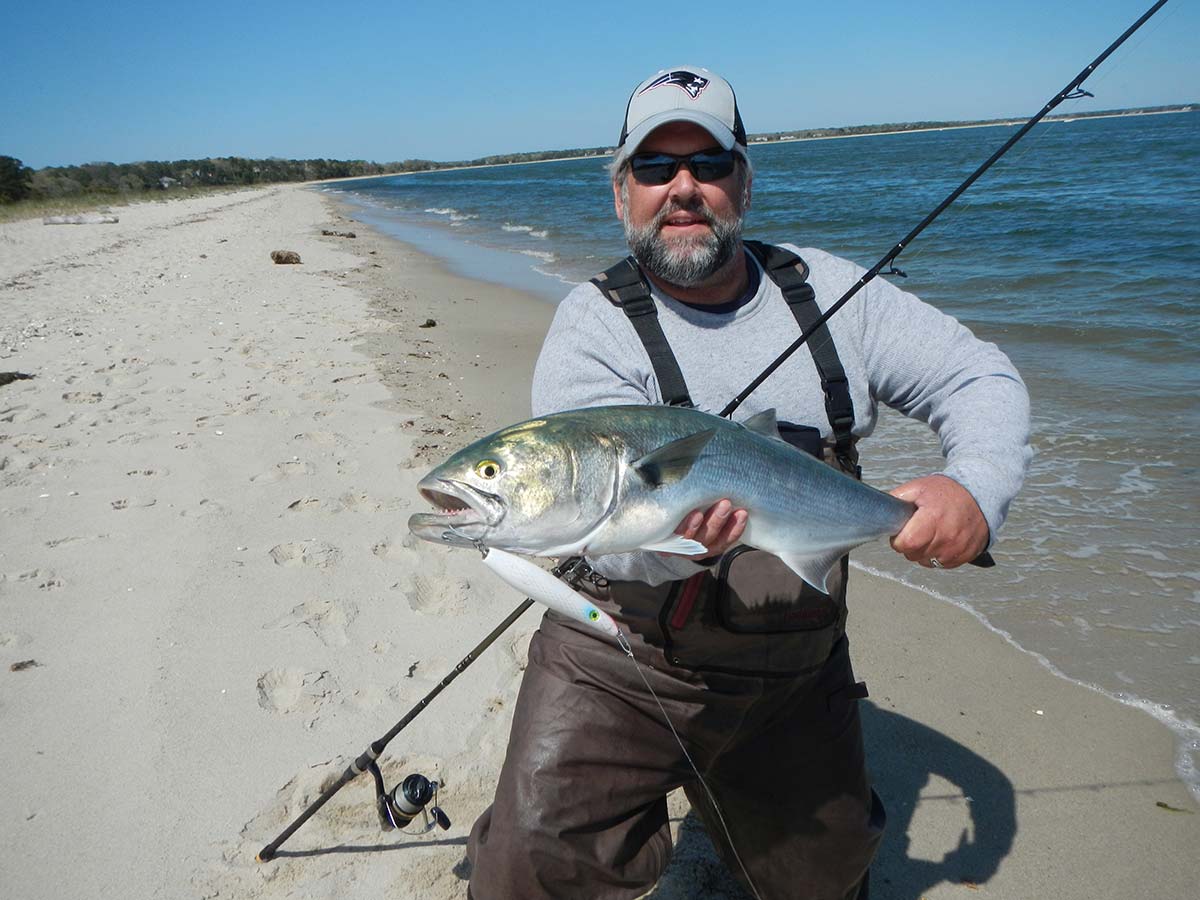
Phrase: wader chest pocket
(752, 616)
(756, 593)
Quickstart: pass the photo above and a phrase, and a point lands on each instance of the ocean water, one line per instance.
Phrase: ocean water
(1078, 253)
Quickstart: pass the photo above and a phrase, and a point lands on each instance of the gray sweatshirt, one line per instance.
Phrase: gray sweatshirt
(896, 350)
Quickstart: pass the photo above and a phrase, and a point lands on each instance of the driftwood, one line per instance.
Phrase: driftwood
(82, 219)
(345, 234)
(285, 257)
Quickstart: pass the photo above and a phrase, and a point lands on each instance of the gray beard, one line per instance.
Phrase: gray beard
(690, 262)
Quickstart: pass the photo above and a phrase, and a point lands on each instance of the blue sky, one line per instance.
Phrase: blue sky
(125, 81)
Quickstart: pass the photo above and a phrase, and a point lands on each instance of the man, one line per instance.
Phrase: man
(750, 664)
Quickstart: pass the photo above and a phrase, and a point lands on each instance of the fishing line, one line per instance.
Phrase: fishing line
(1067, 93)
(953, 221)
(623, 641)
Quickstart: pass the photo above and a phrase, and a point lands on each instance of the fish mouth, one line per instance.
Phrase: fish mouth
(465, 513)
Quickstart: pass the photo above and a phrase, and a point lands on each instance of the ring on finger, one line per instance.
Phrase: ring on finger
(936, 563)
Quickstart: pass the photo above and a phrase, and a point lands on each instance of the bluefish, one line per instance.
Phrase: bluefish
(613, 479)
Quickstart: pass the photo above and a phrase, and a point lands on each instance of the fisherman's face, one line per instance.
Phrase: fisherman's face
(686, 230)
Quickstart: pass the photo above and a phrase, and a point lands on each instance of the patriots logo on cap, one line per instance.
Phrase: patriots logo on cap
(689, 81)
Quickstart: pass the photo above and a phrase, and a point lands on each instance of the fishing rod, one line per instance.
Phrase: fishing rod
(1072, 91)
(398, 807)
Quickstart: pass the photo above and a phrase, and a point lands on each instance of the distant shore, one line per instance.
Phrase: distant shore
(758, 141)
(55, 189)
(1000, 123)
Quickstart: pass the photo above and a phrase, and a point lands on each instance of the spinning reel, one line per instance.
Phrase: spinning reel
(399, 806)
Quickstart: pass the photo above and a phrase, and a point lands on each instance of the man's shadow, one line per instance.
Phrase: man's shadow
(903, 756)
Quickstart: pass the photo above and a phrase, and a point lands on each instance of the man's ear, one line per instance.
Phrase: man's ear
(617, 206)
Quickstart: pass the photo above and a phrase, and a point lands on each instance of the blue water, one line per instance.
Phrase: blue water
(1078, 253)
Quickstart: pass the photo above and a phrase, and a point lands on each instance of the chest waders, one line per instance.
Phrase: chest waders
(749, 613)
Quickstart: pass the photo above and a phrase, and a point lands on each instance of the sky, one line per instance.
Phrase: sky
(124, 81)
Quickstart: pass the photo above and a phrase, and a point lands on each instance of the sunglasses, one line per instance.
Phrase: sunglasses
(652, 169)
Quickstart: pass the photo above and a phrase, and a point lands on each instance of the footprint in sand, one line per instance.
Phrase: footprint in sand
(306, 553)
(18, 414)
(29, 442)
(291, 690)
(249, 403)
(289, 469)
(310, 504)
(75, 539)
(147, 473)
(131, 437)
(322, 438)
(83, 396)
(323, 398)
(16, 468)
(204, 509)
(420, 676)
(401, 551)
(43, 579)
(352, 501)
(327, 619)
(12, 639)
(438, 594)
(133, 502)
(519, 648)
(131, 364)
(127, 381)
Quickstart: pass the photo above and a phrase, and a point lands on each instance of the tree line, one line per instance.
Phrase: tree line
(20, 182)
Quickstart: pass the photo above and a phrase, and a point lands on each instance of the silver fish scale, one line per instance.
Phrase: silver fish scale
(607, 480)
(797, 503)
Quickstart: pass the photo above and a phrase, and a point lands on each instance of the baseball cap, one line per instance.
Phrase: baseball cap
(682, 94)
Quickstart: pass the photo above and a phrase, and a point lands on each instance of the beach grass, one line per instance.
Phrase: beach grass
(97, 201)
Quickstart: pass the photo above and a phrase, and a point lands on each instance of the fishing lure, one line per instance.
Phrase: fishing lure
(532, 581)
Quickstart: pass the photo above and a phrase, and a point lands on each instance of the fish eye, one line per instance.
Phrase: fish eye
(487, 468)
(594, 615)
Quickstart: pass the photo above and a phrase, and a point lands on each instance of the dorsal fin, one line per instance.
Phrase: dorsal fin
(764, 423)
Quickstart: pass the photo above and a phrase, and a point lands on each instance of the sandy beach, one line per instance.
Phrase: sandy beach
(209, 602)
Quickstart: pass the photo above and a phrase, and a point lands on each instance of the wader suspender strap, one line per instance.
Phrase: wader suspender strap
(625, 287)
(790, 273)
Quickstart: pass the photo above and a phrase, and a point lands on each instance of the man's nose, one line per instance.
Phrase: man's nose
(684, 185)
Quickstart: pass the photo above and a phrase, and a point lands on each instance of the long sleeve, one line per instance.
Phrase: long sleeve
(585, 361)
(930, 367)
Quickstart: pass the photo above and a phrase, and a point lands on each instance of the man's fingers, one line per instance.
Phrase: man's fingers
(718, 528)
(715, 521)
(691, 524)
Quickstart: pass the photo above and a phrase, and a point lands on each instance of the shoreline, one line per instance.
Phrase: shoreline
(1005, 123)
(449, 250)
(214, 576)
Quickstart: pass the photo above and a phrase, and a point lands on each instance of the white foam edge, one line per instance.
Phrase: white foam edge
(1185, 730)
(556, 276)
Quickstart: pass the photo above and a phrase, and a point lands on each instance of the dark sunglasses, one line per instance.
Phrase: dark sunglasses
(660, 168)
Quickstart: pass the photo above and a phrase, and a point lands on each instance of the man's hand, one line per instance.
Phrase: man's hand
(948, 525)
(718, 529)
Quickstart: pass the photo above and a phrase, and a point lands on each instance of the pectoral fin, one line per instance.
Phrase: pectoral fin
(677, 544)
(671, 462)
(815, 568)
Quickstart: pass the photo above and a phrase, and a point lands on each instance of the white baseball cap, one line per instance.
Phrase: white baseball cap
(682, 94)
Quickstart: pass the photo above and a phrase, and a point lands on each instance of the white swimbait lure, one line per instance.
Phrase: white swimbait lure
(543, 587)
